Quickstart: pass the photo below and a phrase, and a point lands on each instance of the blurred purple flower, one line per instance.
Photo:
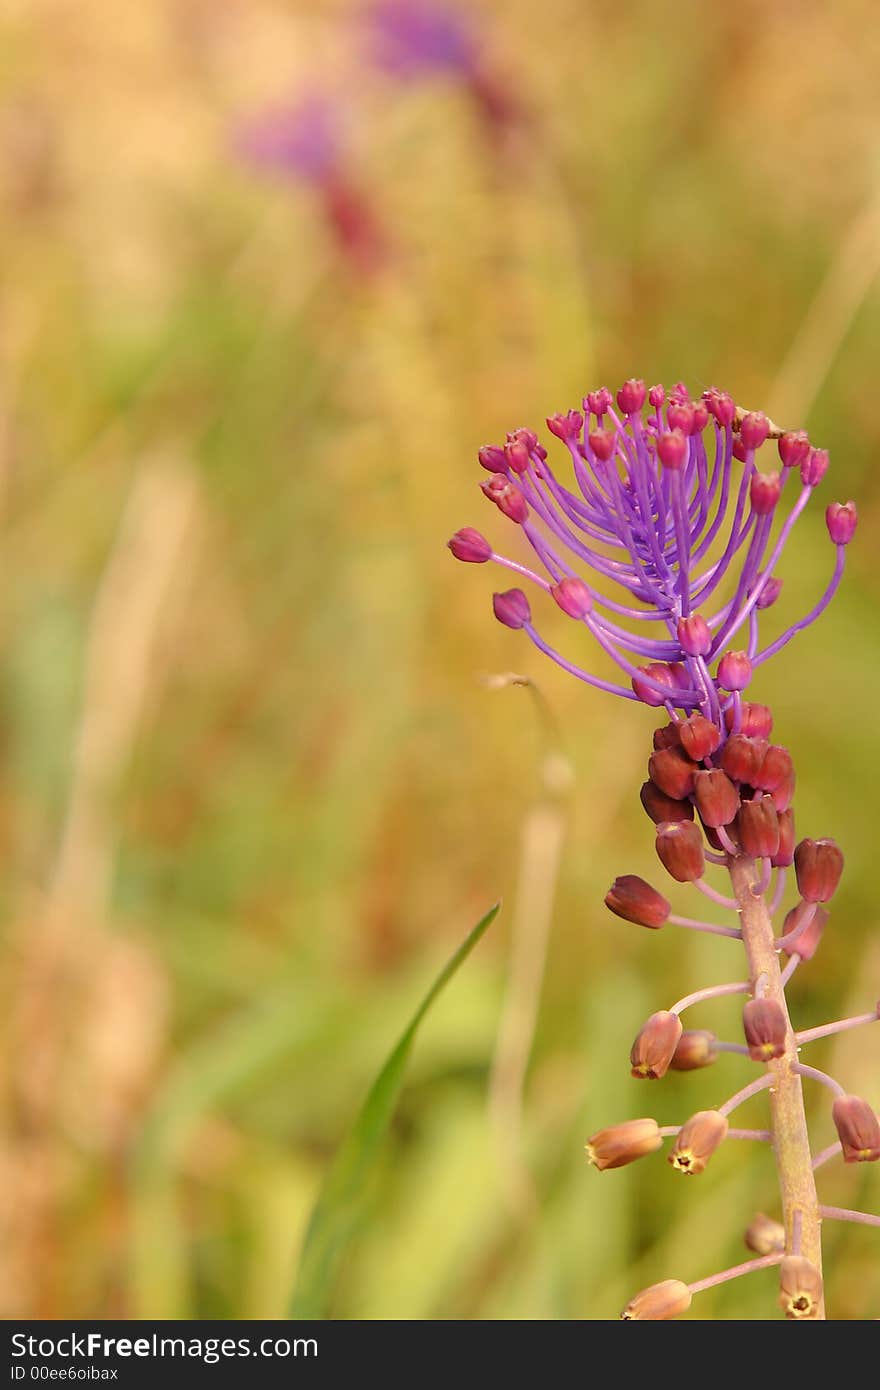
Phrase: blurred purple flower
(303, 139)
(411, 38)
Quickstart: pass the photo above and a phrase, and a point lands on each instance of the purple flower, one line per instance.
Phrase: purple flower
(303, 139)
(412, 38)
(664, 530)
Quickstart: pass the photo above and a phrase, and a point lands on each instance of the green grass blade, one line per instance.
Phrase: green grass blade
(339, 1207)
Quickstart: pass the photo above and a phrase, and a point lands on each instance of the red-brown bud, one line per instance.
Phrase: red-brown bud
(758, 827)
(807, 943)
(696, 1048)
(858, 1129)
(631, 898)
(764, 1027)
(754, 720)
(679, 846)
(818, 865)
(673, 772)
(660, 807)
(716, 797)
(667, 736)
(699, 736)
(785, 852)
(776, 767)
(655, 1045)
(697, 1140)
(783, 795)
(658, 1303)
(764, 1235)
(741, 757)
(800, 1287)
(621, 1144)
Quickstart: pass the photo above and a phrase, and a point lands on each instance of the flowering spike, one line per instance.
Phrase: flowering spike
(655, 1046)
(658, 1303)
(841, 518)
(469, 545)
(512, 608)
(631, 898)
(618, 1145)
(697, 1140)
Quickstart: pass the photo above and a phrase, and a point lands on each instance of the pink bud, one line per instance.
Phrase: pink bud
(841, 518)
(512, 608)
(722, 406)
(656, 396)
(468, 544)
(701, 418)
(755, 720)
(598, 402)
(693, 632)
(506, 496)
(770, 593)
(573, 597)
(672, 450)
(631, 396)
(738, 449)
(567, 426)
(793, 448)
(734, 671)
(492, 458)
(814, 467)
(656, 671)
(764, 491)
(517, 455)
(680, 417)
(754, 429)
(602, 443)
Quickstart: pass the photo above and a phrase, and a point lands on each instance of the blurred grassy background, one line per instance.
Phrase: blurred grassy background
(255, 786)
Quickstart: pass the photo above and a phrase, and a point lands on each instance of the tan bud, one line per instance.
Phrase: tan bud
(764, 1027)
(764, 1235)
(858, 1129)
(654, 1046)
(659, 1302)
(697, 1140)
(621, 1144)
(696, 1048)
(800, 1287)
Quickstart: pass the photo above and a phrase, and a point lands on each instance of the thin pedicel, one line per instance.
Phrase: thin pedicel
(664, 542)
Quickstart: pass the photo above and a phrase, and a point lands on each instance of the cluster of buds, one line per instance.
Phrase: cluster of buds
(666, 510)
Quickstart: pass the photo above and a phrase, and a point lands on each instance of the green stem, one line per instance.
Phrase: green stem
(791, 1140)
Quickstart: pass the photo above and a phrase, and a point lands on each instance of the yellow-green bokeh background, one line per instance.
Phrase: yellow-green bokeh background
(254, 786)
